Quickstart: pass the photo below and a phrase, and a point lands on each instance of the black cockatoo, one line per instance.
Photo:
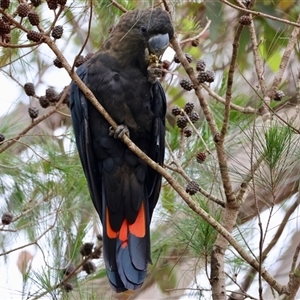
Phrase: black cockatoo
(124, 190)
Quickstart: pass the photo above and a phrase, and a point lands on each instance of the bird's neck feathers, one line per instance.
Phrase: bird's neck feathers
(129, 51)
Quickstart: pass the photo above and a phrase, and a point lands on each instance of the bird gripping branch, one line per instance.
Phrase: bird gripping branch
(123, 77)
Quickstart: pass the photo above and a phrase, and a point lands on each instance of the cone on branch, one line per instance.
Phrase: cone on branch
(245, 20)
(187, 131)
(186, 84)
(206, 76)
(86, 249)
(194, 116)
(4, 4)
(188, 108)
(44, 102)
(176, 111)
(182, 122)
(187, 55)
(23, 10)
(2, 137)
(79, 61)
(200, 65)
(34, 36)
(29, 89)
(33, 18)
(52, 4)
(68, 287)
(201, 157)
(7, 218)
(51, 95)
(57, 32)
(33, 112)
(279, 95)
(4, 27)
(192, 187)
(36, 3)
(57, 63)
(89, 267)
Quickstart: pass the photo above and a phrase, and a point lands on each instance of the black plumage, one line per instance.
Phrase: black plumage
(123, 188)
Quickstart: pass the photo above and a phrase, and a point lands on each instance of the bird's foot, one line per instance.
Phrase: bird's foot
(155, 71)
(119, 131)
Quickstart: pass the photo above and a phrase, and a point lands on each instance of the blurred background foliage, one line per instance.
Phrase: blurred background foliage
(41, 181)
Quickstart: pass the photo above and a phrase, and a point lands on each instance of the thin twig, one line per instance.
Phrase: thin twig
(245, 110)
(196, 37)
(232, 68)
(292, 41)
(118, 5)
(260, 14)
(257, 60)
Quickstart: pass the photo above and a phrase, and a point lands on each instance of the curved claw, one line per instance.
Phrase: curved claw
(119, 132)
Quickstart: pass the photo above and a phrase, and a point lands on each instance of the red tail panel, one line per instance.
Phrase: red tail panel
(110, 233)
(138, 228)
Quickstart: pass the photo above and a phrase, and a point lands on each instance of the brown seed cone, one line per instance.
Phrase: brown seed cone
(194, 116)
(188, 108)
(33, 18)
(44, 102)
(245, 20)
(187, 131)
(57, 32)
(33, 112)
(189, 57)
(4, 4)
(176, 111)
(79, 61)
(7, 218)
(23, 10)
(279, 95)
(52, 4)
(34, 36)
(86, 249)
(62, 2)
(89, 267)
(4, 27)
(182, 122)
(192, 187)
(2, 137)
(201, 157)
(200, 65)
(51, 95)
(29, 89)
(195, 43)
(36, 3)
(57, 63)
(186, 84)
(68, 287)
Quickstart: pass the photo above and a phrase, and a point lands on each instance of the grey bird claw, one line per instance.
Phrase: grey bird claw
(119, 132)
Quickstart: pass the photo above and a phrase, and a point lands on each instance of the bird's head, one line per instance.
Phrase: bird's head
(140, 30)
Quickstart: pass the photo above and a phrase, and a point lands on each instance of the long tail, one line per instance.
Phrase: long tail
(126, 252)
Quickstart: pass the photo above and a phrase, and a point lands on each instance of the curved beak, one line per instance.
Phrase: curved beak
(158, 44)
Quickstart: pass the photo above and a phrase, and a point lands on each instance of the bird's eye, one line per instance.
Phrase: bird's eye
(144, 29)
